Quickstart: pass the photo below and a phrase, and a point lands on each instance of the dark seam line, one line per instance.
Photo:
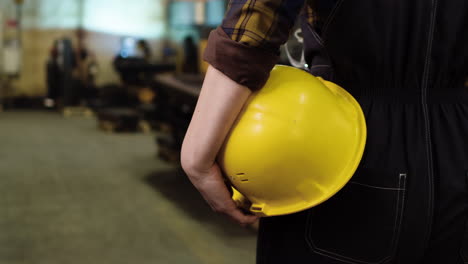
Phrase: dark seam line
(427, 120)
(239, 31)
(275, 23)
(247, 16)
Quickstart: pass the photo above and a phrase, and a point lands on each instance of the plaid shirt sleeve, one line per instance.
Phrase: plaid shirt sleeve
(246, 45)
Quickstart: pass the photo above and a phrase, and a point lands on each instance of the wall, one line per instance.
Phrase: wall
(51, 14)
(105, 46)
(137, 18)
(106, 21)
(42, 22)
(36, 47)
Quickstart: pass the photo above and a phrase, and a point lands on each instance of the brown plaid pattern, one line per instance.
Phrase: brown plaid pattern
(264, 23)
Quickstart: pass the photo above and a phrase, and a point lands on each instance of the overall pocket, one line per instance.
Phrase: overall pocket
(361, 223)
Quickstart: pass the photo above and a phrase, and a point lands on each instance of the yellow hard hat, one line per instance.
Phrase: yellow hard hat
(296, 143)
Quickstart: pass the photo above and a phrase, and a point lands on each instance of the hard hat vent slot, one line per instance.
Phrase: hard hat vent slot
(256, 208)
(242, 177)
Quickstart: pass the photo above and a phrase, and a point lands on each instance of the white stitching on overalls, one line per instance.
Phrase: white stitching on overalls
(376, 187)
(331, 17)
(318, 38)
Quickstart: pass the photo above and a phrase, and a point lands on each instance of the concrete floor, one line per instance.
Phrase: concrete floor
(70, 193)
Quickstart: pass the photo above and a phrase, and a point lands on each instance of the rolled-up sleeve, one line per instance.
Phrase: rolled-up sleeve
(246, 45)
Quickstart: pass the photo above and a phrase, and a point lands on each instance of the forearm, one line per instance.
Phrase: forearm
(219, 103)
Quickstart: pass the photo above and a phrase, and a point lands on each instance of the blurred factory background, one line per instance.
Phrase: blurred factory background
(95, 98)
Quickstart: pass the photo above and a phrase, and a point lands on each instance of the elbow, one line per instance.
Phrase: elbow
(190, 164)
(194, 165)
(186, 161)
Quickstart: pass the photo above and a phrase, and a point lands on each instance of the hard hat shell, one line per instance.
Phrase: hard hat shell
(296, 143)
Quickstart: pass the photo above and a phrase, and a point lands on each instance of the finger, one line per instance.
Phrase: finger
(241, 218)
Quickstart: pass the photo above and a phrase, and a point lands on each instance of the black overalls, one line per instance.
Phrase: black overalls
(406, 62)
